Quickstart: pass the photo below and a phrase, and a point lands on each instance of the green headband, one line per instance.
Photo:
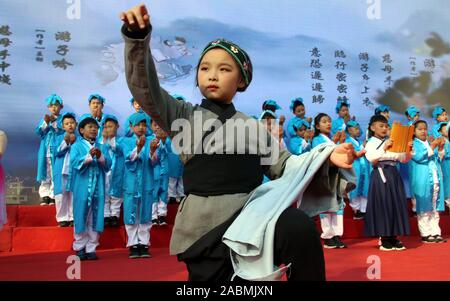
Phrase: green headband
(238, 54)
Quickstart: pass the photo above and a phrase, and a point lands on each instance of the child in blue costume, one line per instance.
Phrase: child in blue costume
(445, 162)
(96, 105)
(160, 161)
(48, 129)
(114, 178)
(138, 188)
(440, 115)
(300, 143)
(338, 124)
(358, 196)
(62, 172)
(426, 182)
(332, 223)
(128, 130)
(90, 162)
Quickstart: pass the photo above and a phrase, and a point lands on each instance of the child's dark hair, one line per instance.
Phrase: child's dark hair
(266, 107)
(296, 104)
(373, 119)
(317, 121)
(68, 116)
(111, 119)
(85, 122)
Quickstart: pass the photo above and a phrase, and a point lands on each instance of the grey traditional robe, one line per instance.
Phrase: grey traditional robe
(197, 215)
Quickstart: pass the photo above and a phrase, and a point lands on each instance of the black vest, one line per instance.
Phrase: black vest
(217, 174)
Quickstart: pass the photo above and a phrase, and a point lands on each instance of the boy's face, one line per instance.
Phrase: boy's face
(421, 131)
(136, 106)
(219, 76)
(380, 129)
(324, 125)
(96, 107)
(111, 128)
(386, 114)
(300, 111)
(443, 117)
(343, 112)
(89, 131)
(354, 131)
(140, 128)
(301, 131)
(55, 108)
(69, 125)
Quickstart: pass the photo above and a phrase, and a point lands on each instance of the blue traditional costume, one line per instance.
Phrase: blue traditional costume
(88, 188)
(48, 133)
(138, 191)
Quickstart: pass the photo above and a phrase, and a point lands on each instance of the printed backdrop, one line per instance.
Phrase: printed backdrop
(366, 51)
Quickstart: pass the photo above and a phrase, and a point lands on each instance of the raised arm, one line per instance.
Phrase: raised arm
(141, 73)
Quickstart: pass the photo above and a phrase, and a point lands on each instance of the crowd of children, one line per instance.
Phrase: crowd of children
(89, 173)
(385, 181)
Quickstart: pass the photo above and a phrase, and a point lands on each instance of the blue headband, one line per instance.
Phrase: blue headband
(412, 111)
(54, 99)
(109, 117)
(381, 109)
(271, 113)
(271, 102)
(341, 103)
(298, 123)
(438, 111)
(137, 118)
(352, 123)
(98, 96)
(296, 101)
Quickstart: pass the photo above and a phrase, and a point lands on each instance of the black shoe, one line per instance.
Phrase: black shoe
(172, 200)
(386, 245)
(162, 220)
(144, 252)
(330, 244)
(71, 224)
(64, 224)
(428, 239)
(397, 245)
(358, 215)
(338, 242)
(155, 222)
(45, 201)
(107, 222)
(114, 221)
(91, 256)
(51, 201)
(439, 239)
(135, 252)
(81, 254)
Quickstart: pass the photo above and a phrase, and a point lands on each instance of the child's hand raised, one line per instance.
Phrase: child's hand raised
(72, 138)
(309, 119)
(344, 155)
(154, 145)
(93, 152)
(136, 18)
(336, 137)
(47, 118)
(140, 143)
(67, 139)
(282, 120)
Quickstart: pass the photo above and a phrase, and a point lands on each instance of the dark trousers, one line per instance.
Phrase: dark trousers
(296, 242)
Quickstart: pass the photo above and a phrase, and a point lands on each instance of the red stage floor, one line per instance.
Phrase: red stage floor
(418, 262)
